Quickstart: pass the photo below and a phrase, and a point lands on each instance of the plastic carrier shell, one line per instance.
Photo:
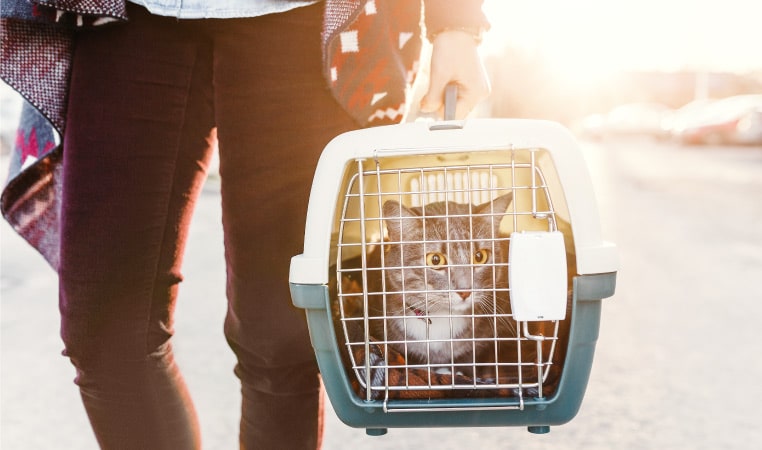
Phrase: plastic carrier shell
(537, 370)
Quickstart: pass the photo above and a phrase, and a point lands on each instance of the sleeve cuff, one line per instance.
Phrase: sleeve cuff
(461, 15)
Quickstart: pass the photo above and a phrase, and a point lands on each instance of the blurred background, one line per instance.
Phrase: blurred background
(665, 98)
(654, 68)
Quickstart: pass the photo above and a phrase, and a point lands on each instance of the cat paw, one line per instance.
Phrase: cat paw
(526, 392)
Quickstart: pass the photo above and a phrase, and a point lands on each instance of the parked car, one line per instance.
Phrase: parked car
(674, 124)
(749, 128)
(732, 120)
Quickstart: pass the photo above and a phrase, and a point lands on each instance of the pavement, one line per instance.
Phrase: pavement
(677, 363)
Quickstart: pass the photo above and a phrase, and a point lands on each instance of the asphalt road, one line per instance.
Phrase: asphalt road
(677, 365)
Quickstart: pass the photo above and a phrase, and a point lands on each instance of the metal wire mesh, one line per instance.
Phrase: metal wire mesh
(422, 299)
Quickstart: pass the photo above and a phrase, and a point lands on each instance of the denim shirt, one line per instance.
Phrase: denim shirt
(221, 9)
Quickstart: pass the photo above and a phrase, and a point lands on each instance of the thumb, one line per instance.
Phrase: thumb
(433, 100)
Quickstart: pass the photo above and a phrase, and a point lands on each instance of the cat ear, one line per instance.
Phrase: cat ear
(498, 206)
(393, 213)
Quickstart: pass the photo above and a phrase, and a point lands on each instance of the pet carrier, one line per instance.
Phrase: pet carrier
(453, 273)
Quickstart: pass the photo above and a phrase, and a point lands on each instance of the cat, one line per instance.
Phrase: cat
(441, 264)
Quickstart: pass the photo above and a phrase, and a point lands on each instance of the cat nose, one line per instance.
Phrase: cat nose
(464, 294)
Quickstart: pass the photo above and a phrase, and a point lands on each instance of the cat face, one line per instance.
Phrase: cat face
(441, 258)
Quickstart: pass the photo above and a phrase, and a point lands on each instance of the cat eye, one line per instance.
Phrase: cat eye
(436, 260)
(481, 256)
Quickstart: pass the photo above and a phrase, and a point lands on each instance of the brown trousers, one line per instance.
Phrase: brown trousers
(144, 98)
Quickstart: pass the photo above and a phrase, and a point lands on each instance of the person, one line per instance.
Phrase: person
(137, 91)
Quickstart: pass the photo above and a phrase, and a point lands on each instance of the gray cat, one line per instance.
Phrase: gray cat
(442, 262)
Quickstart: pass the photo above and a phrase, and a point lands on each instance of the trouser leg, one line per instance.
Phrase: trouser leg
(274, 115)
(135, 155)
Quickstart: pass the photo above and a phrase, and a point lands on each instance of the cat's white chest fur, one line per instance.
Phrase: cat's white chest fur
(432, 338)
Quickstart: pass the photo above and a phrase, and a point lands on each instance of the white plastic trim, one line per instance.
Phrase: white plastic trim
(537, 275)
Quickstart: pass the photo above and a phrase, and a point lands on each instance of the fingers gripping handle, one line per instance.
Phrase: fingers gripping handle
(450, 101)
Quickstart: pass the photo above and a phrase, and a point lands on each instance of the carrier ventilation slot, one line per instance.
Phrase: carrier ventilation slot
(465, 186)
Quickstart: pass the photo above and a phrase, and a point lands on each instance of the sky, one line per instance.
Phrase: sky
(591, 37)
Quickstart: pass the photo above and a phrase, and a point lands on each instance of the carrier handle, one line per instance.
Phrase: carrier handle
(450, 103)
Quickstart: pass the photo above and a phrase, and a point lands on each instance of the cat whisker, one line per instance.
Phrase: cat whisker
(497, 313)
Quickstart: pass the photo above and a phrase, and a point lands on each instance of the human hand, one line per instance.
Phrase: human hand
(455, 59)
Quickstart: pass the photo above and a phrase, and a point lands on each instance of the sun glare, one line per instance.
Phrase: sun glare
(587, 39)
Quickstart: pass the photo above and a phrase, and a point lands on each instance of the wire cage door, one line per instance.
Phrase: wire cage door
(423, 303)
